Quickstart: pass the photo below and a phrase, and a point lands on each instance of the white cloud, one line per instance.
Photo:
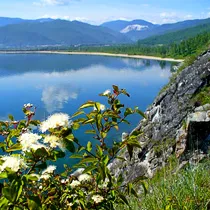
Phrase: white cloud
(66, 17)
(52, 2)
(188, 17)
(169, 17)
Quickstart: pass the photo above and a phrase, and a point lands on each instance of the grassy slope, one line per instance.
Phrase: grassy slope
(187, 189)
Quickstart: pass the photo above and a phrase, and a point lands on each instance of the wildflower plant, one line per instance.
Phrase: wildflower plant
(29, 179)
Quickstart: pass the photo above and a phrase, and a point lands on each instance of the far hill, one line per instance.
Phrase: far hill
(122, 25)
(4, 21)
(137, 33)
(58, 32)
(176, 37)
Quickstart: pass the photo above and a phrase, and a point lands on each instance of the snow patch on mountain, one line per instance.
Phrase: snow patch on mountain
(135, 27)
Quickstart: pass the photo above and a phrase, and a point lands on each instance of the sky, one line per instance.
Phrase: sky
(99, 11)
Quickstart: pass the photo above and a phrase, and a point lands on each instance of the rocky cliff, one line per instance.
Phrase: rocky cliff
(169, 120)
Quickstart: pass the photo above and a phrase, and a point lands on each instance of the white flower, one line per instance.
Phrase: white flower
(54, 142)
(104, 184)
(55, 121)
(75, 183)
(78, 172)
(29, 141)
(102, 107)
(12, 162)
(44, 176)
(49, 170)
(40, 187)
(84, 178)
(28, 105)
(106, 92)
(97, 198)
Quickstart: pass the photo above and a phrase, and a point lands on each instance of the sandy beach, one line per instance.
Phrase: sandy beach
(93, 53)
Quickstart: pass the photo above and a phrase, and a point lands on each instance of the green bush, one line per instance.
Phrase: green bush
(29, 182)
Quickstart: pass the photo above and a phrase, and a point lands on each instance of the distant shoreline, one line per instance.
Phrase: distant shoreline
(92, 53)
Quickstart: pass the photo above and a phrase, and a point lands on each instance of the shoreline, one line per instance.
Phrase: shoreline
(92, 53)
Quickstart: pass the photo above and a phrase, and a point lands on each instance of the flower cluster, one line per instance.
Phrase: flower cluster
(13, 162)
(55, 121)
(30, 141)
(84, 178)
(97, 198)
(54, 142)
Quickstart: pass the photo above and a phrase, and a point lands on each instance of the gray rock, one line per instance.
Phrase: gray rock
(165, 117)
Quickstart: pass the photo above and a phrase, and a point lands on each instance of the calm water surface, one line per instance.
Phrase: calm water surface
(61, 83)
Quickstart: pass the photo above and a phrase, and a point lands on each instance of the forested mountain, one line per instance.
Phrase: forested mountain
(176, 37)
(57, 32)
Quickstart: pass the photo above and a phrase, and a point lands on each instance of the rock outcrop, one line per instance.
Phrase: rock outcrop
(170, 119)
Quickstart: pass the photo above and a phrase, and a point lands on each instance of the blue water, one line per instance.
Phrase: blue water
(61, 83)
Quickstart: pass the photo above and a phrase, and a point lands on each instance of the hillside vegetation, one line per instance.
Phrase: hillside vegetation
(176, 37)
(183, 49)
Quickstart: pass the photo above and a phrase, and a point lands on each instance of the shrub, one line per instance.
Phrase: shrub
(29, 181)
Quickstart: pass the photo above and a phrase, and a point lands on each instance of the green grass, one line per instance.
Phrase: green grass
(187, 189)
(203, 96)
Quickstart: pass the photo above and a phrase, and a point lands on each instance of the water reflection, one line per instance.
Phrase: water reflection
(62, 83)
(54, 97)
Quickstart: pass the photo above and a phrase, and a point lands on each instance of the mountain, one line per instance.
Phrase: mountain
(129, 27)
(57, 32)
(6, 21)
(146, 29)
(176, 37)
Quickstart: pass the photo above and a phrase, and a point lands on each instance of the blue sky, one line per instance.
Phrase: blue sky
(98, 11)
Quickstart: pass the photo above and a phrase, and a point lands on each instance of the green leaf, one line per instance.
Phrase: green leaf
(2, 144)
(89, 146)
(77, 113)
(76, 156)
(41, 152)
(69, 146)
(70, 137)
(128, 111)
(89, 169)
(120, 179)
(124, 199)
(101, 169)
(88, 104)
(76, 126)
(116, 89)
(34, 203)
(89, 121)
(90, 131)
(11, 117)
(13, 192)
(35, 122)
(98, 106)
(3, 175)
(145, 187)
(141, 113)
(14, 147)
(130, 150)
(99, 151)
(31, 177)
(4, 203)
(59, 154)
(42, 165)
(89, 160)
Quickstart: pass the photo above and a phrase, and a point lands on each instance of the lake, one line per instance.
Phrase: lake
(61, 83)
